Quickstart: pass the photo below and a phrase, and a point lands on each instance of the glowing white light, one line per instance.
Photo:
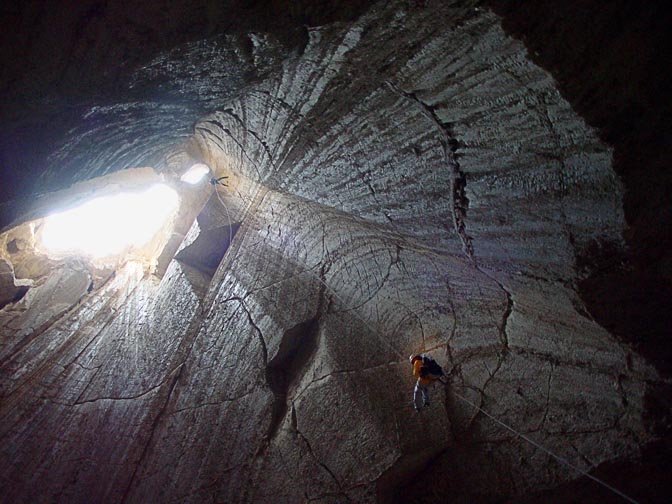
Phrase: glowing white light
(195, 174)
(107, 225)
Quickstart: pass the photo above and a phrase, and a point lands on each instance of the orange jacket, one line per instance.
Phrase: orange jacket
(417, 365)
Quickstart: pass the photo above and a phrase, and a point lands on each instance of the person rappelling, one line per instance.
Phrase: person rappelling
(427, 371)
(221, 181)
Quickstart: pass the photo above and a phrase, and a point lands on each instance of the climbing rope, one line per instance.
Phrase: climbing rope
(502, 424)
(560, 459)
(228, 215)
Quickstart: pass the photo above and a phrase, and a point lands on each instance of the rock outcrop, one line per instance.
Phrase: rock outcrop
(408, 181)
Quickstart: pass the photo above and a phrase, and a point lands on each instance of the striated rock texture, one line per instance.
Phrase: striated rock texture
(408, 181)
(97, 86)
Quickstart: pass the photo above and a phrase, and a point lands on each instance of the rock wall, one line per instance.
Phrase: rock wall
(407, 182)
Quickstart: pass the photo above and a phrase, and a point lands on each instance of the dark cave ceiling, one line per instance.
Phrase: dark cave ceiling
(92, 87)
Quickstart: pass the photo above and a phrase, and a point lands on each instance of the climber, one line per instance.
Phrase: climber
(218, 181)
(427, 371)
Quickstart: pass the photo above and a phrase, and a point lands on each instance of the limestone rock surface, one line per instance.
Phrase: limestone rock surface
(407, 182)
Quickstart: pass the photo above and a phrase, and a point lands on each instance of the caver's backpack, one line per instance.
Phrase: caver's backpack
(430, 368)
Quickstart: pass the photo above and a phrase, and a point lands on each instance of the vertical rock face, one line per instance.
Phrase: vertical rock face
(408, 182)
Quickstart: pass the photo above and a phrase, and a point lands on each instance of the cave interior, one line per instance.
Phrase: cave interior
(481, 181)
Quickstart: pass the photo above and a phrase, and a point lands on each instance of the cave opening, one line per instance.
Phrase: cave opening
(109, 225)
(195, 174)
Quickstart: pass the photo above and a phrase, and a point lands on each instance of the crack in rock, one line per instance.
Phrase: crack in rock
(322, 464)
(458, 199)
(150, 438)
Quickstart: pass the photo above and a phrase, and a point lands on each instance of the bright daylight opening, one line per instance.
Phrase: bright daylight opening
(195, 174)
(108, 225)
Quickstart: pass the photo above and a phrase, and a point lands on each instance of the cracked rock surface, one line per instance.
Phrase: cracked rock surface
(406, 182)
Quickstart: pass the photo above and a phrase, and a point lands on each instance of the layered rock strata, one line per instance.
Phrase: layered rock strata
(408, 182)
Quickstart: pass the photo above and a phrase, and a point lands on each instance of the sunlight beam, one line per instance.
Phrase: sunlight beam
(109, 225)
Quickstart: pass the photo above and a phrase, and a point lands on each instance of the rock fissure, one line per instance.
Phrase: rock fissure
(81, 401)
(240, 145)
(150, 437)
(393, 262)
(542, 423)
(262, 341)
(287, 366)
(507, 311)
(212, 403)
(458, 199)
(587, 365)
(342, 371)
(322, 464)
(256, 135)
(81, 366)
